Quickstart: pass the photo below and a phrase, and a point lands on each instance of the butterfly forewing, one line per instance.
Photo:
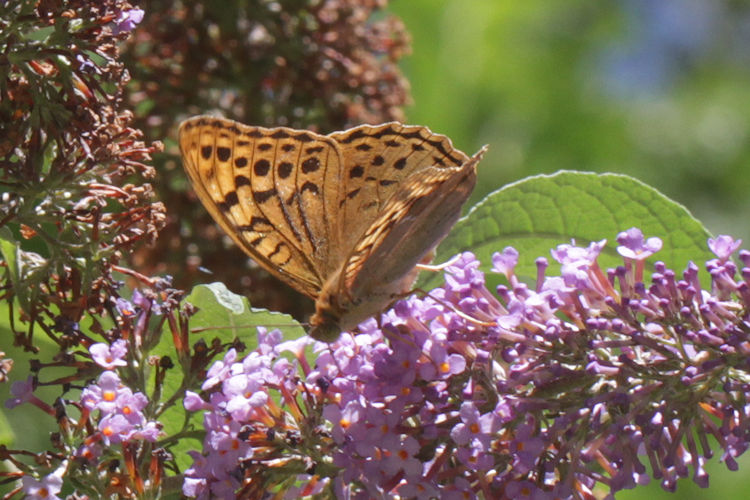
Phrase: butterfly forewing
(266, 187)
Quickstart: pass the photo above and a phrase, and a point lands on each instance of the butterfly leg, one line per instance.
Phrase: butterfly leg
(465, 316)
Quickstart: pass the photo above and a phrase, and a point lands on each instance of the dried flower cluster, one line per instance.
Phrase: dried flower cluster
(66, 151)
(323, 63)
(586, 378)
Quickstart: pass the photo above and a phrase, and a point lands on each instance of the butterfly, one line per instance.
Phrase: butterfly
(343, 218)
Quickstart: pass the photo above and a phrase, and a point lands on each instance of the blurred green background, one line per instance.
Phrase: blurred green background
(659, 90)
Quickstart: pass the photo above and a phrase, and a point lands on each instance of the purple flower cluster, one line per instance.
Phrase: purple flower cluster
(121, 417)
(240, 415)
(110, 413)
(542, 392)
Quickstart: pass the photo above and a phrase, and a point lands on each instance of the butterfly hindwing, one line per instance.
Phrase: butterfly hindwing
(378, 158)
(413, 221)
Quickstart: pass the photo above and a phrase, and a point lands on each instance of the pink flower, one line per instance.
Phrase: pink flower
(46, 488)
(108, 356)
(633, 246)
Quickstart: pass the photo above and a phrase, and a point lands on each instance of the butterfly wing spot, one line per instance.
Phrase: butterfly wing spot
(310, 165)
(356, 171)
(265, 146)
(206, 152)
(280, 134)
(310, 187)
(230, 200)
(241, 181)
(313, 150)
(351, 194)
(240, 162)
(261, 197)
(258, 225)
(288, 148)
(284, 169)
(304, 137)
(377, 161)
(400, 163)
(363, 147)
(261, 167)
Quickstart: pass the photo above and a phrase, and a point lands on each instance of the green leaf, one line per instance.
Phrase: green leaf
(224, 315)
(10, 252)
(7, 437)
(536, 214)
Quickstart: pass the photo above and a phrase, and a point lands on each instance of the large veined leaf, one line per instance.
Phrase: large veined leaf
(537, 214)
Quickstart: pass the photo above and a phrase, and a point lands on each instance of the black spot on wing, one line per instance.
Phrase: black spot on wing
(310, 165)
(257, 224)
(223, 153)
(304, 137)
(261, 167)
(356, 171)
(230, 200)
(285, 169)
(280, 134)
(351, 194)
(261, 197)
(309, 186)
